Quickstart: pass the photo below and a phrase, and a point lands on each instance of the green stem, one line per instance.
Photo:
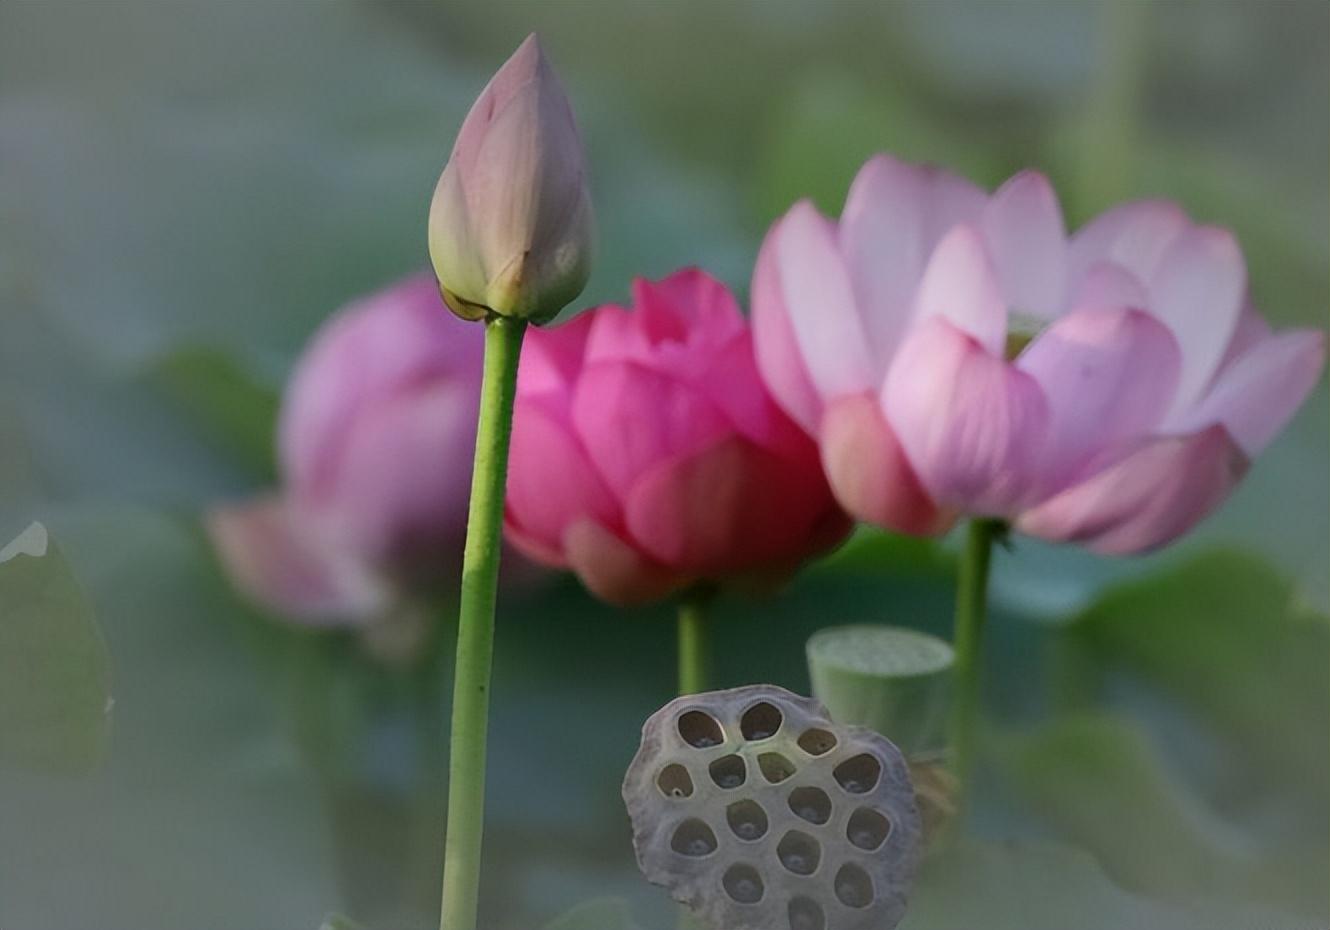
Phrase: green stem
(971, 609)
(694, 658)
(475, 628)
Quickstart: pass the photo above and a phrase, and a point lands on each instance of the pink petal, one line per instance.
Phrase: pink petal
(275, 558)
(1134, 235)
(1256, 395)
(732, 382)
(1251, 329)
(954, 200)
(961, 286)
(778, 355)
(615, 571)
(630, 417)
(1107, 375)
(551, 481)
(1143, 500)
(972, 426)
(403, 479)
(869, 473)
(820, 304)
(1028, 242)
(616, 335)
(727, 509)
(399, 336)
(552, 356)
(882, 235)
(1107, 286)
(1198, 291)
(689, 301)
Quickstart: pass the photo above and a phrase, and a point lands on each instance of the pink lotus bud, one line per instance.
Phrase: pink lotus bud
(647, 455)
(1144, 383)
(510, 226)
(375, 439)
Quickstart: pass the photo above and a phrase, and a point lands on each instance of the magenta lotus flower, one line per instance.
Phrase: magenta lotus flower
(648, 455)
(1143, 382)
(510, 226)
(375, 441)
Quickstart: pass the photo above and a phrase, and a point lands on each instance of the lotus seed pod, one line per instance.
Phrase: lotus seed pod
(759, 813)
(892, 680)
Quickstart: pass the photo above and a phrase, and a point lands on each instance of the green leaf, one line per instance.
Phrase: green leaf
(1045, 886)
(597, 914)
(54, 667)
(1225, 632)
(1103, 784)
(227, 402)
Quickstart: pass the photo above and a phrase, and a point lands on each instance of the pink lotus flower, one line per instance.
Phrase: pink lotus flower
(1148, 386)
(375, 441)
(647, 454)
(510, 225)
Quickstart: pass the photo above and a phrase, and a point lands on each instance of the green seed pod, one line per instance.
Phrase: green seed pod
(892, 680)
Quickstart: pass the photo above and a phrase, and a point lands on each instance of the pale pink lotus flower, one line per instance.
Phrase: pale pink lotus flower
(647, 454)
(375, 440)
(898, 338)
(510, 226)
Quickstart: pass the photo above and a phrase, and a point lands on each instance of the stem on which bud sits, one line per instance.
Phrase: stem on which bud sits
(475, 633)
(694, 655)
(971, 610)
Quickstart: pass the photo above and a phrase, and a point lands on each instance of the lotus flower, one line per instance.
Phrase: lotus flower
(955, 352)
(647, 454)
(510, 225)
(375, 441)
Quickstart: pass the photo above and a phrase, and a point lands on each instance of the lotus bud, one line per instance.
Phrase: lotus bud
(510, 225)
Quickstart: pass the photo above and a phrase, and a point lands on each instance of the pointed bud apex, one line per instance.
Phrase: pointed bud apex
(510, 224)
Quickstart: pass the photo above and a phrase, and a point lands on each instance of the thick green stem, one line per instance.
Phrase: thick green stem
(694, 657)
(971, 609)
(475, 633)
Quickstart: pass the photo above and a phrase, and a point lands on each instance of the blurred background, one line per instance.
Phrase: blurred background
(187, 189)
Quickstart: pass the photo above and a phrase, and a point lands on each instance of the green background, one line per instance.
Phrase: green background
(188, 188)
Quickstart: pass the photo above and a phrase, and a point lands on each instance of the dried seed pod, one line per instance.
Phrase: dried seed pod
(760, 813)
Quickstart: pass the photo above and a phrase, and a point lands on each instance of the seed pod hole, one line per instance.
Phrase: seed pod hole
(817, 742)
(675, 782)
(775, 767)
(806, 914)
(853, 886)
(700, 730)
(742, 883)
(867, 829)
(858, 774)
(761, 721)
(747, 819)
(811, 804)
(799, 852)
(729, 771)
(693, 838)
